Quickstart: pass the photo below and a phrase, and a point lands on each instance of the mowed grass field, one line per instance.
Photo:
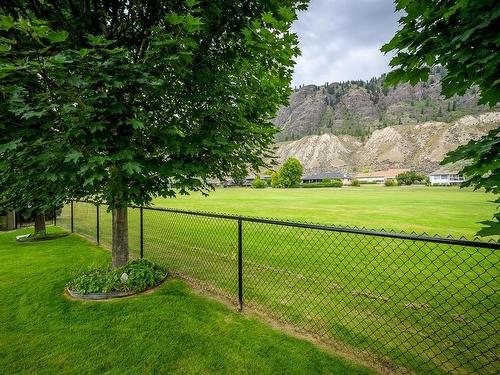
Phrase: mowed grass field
(434, 210)
(432, 308)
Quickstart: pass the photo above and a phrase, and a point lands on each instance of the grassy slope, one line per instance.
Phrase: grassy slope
(170, 331)
(433, 210)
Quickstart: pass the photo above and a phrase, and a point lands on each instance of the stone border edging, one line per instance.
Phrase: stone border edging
(112, 295)
(50, 236)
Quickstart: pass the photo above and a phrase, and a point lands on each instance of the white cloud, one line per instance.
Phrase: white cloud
(340, 40)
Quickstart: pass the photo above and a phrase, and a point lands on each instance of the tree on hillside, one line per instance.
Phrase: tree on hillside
(151, 98)
(290, 173)
(461, 36)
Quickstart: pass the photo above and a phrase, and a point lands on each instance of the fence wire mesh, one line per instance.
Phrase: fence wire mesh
(426, 306)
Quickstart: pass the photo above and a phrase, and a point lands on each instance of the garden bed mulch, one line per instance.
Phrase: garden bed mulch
(113, 295)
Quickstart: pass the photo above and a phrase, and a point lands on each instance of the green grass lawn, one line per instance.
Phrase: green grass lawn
(169, 331)
(430, 307)
(435, 210)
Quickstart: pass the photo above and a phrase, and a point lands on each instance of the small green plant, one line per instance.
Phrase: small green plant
(275, 180)
(390, 182)
(355, 182)
(258, 183)
(135, 276)
(336, 182)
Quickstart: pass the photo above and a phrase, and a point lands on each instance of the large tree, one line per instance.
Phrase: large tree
(290, 173)
(463, 37)
(153, 97)
(33, 178)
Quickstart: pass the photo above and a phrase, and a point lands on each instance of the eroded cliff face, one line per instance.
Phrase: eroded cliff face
(306, 108)
(419, 146)
(360, 107)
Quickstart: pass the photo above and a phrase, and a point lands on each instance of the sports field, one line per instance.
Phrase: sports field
(434, 210)
(428, 307)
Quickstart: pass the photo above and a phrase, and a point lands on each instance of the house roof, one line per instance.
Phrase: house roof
(444, 170)
(253, 177)
(330, 175)
(389, 173)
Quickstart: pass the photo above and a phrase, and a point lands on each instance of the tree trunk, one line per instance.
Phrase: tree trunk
(40, 230)
(120, 237)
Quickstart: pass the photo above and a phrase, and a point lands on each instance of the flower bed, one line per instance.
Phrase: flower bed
(105, 283)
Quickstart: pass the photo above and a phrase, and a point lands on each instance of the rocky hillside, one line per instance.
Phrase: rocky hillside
(360, 107)
(418, 146)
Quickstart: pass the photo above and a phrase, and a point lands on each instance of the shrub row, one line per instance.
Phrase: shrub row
(332, 183)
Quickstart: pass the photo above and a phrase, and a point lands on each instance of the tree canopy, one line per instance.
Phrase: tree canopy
(290, 173)
(143, 98)
(483, 171)
(461, 36)
(33, 178)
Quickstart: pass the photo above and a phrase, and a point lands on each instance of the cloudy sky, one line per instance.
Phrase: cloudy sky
(340, 40)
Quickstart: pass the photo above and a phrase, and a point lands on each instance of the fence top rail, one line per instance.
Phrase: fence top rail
(402, 236)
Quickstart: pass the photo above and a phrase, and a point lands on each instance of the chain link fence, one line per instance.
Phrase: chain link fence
(415, 303)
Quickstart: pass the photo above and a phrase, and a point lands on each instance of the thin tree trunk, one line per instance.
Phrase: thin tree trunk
(120, 237)
(40, 230)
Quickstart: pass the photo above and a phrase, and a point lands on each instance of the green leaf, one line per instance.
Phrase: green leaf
(7, 40)
(6, 22)
(9, 146)
(73, 156)
(192, 24)
(175, 19)
(99, 40)
(5, 47)
(132, 167)
(192, 3)
(136, 124)
(57, 36)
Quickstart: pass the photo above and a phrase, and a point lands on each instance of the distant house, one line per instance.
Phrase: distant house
(444, 176)
(249, 179)
(319, 177)
(379, 177)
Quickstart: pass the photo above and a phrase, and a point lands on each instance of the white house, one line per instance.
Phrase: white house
(445, 176)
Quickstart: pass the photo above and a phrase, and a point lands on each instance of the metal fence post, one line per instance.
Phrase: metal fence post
(97, 224)
(142, 231)
(72, 228)
(240, 264)
(55, 217)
